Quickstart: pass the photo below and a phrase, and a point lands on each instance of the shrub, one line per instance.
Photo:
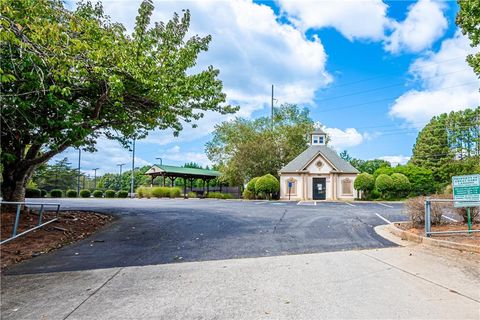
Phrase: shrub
(474, 213)
(43, 193)
(251, 185)
(384, 183)
(364, 182)
(416, 210)
(160, 192)
(98, 194)
(56, 193)
(175, 192)
(85, 193)
(122, 194)
(110, 194)
(192, 194)
(268, 185)
(401, 184)
(71, 194)
(247, 194)
(219, 195)
(32, 193)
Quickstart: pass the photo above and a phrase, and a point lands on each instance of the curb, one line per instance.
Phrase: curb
(409, 236)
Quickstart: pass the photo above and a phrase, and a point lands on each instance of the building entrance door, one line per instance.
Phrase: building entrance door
(319, 191)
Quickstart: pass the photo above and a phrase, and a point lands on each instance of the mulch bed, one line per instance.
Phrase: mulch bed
(72, 226)
(464, 238)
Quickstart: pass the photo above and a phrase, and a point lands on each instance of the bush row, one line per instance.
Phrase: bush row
(266, 186)
(384, 186)
(159, 192)
(84, 193)
(219, 195)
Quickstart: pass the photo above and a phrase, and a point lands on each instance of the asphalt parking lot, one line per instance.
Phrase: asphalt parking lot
(148, 232)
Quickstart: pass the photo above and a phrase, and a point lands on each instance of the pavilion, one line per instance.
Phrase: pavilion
(188, 174)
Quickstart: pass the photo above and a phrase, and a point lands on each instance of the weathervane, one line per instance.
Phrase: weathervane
(318, 125)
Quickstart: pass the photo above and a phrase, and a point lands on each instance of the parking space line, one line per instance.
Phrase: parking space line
(352, 205)
(385, 205)
(384, 219)
(448, 218)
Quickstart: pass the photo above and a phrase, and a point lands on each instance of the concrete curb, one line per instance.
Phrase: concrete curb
(409, 236)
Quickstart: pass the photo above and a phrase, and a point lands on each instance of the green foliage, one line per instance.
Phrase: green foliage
(98, 194)
(43, 193)
(421, 179)
(110, 194)
(245, 148)
(248, 194)
(219, 195)
(115, 182)
(267, 185)
(71, 193)
(468, 18)
(383, 170)
(144, 192)
(384, 183)
(69, 76)
(401, 184)
(369, 166)
(33, 193)
(192, 195)
(251, 185)
(364, 182)
(160, 192)
(55, 176)
(56, 193)
(175, 192)
(122, 194)
(85, 193)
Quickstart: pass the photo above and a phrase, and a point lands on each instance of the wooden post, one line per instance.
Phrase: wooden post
(184, 187)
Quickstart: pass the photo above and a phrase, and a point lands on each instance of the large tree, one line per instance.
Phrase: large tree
(69, 76)
(468, 18)
(244, 148)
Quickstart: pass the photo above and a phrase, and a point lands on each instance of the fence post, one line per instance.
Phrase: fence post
(17, 219)
(427, 217)
(40, 215)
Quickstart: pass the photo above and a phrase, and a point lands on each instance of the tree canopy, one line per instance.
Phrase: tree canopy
(70, 76)
(244, 148)
(468, 18)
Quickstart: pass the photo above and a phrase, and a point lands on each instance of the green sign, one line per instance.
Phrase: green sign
(466, 189)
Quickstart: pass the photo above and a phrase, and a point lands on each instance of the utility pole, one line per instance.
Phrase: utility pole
(95, 178)
(78, 173)
(132, 178)
(120, 176)
(163, 177)
(272, 104)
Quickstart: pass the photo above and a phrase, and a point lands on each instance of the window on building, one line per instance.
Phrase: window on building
(315, 139)
(321, 140)
(291, 186)
(347, 187)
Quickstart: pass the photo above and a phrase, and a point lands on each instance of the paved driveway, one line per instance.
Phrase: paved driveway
(166, 231)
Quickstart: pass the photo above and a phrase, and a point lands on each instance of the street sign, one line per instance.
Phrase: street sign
(466, 189)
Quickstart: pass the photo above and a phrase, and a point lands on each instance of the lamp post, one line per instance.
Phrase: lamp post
(163, 177)
(132, 178)
(95, 178)
(120, 176)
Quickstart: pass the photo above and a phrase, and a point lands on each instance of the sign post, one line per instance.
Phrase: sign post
(289, 189)
(467, 190)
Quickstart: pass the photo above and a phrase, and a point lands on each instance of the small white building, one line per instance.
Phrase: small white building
(318, 173)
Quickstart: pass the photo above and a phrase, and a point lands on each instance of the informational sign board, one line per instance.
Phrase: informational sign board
(290, 184)
(466, 189)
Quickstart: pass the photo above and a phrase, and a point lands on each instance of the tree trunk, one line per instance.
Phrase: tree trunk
(14, 182)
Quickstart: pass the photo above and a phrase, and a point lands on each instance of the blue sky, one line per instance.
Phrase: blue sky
(372, 72)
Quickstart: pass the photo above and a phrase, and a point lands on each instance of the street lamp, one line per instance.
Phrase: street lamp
(163, 177)
(160, 160)
(120, 176)
(95, 178)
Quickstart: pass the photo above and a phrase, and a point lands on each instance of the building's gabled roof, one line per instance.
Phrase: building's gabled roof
(318, 130)
(181, 171)
(304, 158)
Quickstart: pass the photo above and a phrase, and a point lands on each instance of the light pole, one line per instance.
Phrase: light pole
(163, 177)
(132, 178)
(95, 178)
(120, 176)
(78, 173)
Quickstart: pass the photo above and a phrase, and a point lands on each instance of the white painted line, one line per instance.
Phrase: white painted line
(352, 205)
(386, 220)
(315, 202)
(448, 218)
(385, 205)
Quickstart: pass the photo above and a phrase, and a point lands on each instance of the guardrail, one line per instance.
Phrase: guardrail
(428, 222)
(18, 211)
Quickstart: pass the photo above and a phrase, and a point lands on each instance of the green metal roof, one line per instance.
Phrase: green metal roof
(174, 170)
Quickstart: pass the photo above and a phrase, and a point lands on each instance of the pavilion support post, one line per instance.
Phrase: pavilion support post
(184, 187)
(163, 178)
(151, 183)
(207, 185)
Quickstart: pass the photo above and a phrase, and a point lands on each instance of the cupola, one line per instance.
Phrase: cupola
(318, 137)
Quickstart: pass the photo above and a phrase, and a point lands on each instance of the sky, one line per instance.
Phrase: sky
(372, 72)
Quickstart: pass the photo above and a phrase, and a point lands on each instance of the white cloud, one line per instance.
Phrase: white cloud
(395, 160)
(180, 157)
(448, 83)
(349, 137)
(425, 23)
(353, 19)
(110, 153)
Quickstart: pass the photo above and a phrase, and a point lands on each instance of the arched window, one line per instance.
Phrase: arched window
(291, 186)
(347, 186)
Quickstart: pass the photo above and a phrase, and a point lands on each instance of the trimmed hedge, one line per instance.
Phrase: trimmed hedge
(219, 195)
(33, 193)
(43, 193)
(160, 192)
(267, 185)
(110, 194)
(85, 193)
(98, 194)
(144, 192)
(175, 192)
(56, 193)
(71, 194)
(122, 194)
(192, 194)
